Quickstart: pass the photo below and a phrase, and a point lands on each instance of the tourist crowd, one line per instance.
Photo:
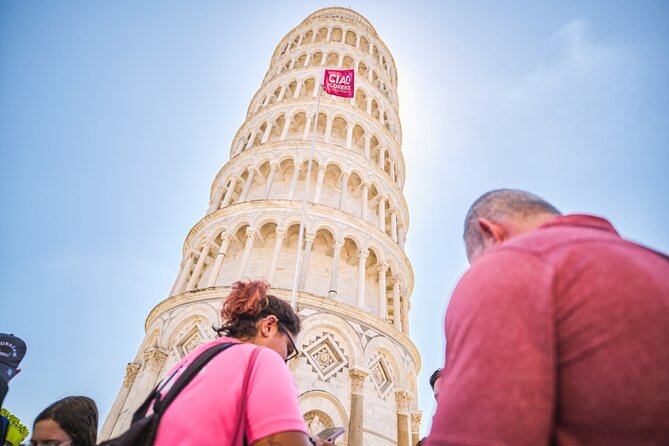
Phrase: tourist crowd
(557, 334)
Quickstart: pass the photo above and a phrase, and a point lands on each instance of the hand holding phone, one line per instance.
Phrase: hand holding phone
(331, 433)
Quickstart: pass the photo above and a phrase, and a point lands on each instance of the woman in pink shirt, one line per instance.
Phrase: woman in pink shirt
(206, 412)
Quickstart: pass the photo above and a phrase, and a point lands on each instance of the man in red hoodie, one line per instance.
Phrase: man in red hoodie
(557, 334)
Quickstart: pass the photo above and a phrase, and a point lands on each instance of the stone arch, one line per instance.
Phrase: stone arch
(347, 63)
(308, 36)
(338, 130)
(351, 38)
(332, 60)
(316, 59)
(364, 44)
(322, 34)
(320, 401)
(318, 279)
(342, 331)
(391, 354)
(336, 34)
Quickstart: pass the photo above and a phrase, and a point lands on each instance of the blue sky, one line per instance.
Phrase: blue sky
(116, 116)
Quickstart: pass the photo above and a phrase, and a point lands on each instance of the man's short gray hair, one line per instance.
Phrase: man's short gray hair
(501, 203)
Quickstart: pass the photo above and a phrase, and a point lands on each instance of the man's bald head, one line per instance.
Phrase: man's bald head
(501, 214)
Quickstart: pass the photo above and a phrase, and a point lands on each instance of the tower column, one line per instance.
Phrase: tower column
(405, 313)
(362, 259)
(282, 93)
(319, 183)
(293, 181)
(344, 190)
(307, 127)
(415, 427)
(268, 131)
(218, 263)
(192, 283)
(383, 299)
(215, 201)
(309, 243)
(396, 302)
(270, 178)
(228, 193)
(393, 224)
(154, 359)
(368, 141)
(249, 143)
(382, 213)
(355, 423)
(365, 202)
(334, 277)
(250, 238)
(107, 428)
(183, 275)
(400, 237)
(247, 184)
(286, 127)
(403, 399)
(349, 135)
(328, 129)
(280, 235)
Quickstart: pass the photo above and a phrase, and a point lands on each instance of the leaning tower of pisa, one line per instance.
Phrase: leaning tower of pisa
(357, 367)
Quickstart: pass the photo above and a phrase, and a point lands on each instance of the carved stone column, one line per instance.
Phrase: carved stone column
(215, 201)
(192, 283)
(247, 185)
(250, 238)
(364, 198)
(270, 178)
(334, 278)
(357, 403)
(305, 262)
(319, 183)
(130, 374)
(344, 189)
(218, 263)
(228, 193)
(297, 168)
(280, 235)
(383, 300)
(397, 321)
(403, 399)
(183, 275)
(415, 427)
(362, 259)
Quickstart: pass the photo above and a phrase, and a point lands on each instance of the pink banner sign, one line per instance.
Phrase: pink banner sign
(339, 83)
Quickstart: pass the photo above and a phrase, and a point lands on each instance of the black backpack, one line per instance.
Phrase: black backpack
(143, 430)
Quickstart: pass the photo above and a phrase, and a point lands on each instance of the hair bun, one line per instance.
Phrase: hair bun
(247, 298)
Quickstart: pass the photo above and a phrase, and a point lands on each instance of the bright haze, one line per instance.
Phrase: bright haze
(116, 116)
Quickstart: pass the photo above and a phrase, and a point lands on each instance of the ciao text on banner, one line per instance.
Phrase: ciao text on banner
(339, 83)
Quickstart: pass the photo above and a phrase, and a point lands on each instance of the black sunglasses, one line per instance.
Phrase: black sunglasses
(295, 352)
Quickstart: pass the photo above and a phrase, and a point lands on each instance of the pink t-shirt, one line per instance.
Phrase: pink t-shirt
(206, 411)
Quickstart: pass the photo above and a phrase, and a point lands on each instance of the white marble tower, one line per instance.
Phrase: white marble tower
(357, 366)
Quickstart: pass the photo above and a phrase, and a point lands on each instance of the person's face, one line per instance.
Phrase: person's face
(49, 432)
(436, 387)
(271, 336)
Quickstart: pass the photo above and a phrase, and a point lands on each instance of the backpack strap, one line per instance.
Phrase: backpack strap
(161, 403)
(242, 403)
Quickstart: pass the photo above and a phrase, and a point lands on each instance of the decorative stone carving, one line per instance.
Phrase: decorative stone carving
(154, 358)
(317, 421)
(416, 418)
(325, 356)
(357, 380)
(381, 376)
(403, 399)
(130, 374)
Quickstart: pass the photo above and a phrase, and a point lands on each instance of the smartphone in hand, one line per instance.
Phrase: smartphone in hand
(331, 433)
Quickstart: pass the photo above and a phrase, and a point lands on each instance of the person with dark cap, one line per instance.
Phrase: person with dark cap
(12, 351)
(557, 334)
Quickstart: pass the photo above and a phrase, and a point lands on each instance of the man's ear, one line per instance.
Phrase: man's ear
(492, 231)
